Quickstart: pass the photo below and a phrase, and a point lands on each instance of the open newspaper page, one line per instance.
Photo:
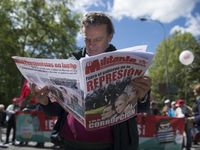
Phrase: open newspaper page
(98, 92)
(63, 78)
(109, 96)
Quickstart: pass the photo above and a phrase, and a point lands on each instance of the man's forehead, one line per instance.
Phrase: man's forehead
(94, 30)
(92, 35)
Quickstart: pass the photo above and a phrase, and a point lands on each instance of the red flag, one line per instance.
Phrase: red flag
(25, 91)
(151, 98)
(34, 100)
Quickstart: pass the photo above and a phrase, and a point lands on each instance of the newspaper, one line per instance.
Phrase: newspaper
(95, 90)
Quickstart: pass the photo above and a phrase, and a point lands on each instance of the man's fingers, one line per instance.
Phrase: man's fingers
(33, 86)
(44, 89)
(142, 82)
(39, 92)
(143, 85)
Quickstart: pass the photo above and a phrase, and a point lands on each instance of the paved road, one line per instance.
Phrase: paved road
(30, 146)
(47, 145)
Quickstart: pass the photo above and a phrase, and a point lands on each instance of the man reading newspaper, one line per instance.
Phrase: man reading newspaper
(98, 31)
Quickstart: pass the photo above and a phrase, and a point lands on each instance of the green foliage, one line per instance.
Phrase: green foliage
(95, 111)
(184, 76)
(33, 28)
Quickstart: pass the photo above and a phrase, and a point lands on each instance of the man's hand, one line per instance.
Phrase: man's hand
(142, 85)
(191, 119)
(40, 94)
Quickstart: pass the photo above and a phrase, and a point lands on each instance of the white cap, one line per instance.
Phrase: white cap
(167, 101)
(172, 103)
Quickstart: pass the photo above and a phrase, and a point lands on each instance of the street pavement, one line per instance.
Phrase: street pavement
(30, 146)
(47, 145)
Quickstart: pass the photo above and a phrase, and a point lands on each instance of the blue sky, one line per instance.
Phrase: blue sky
(181, 15)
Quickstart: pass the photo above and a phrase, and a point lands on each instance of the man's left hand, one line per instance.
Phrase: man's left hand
(143, 85)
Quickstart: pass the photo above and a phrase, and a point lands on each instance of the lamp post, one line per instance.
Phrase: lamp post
(167, 79)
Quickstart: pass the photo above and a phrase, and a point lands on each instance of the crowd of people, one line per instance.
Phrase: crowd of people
(7, 120)
(181, 110)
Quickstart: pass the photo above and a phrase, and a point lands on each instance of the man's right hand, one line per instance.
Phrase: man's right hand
(40, 94)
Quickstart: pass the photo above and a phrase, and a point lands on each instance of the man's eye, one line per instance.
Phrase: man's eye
(86, 40)
(97, 40)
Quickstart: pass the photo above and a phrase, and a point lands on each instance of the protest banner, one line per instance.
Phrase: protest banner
(160, 132)
(34, 126)
(155, 132)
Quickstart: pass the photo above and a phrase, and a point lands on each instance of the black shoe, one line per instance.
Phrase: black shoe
(37, 145)
(196, 143)
(5, 143)
(41, 145)
(61, 147)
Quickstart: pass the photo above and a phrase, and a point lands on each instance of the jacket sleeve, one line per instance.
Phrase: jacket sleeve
(52, 109)
(9, 110)
(197, 112)
(143, 107)
(189, 112)
(176, 112)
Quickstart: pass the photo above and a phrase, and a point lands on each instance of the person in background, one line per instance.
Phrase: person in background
(171, 112)
(185, 111)
(98, 30)
(2, 120)
(166, 108)
(196, 117)
(153, 110)
(30, 105)
(39, 144)
(10, 111)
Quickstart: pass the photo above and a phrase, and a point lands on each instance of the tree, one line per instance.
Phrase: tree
(184, 76)
(9, 46)
(33, 28)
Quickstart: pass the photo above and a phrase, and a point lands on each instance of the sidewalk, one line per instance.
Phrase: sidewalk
(47, 145)
(30, 146)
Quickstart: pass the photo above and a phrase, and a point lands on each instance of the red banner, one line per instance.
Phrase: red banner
(160, 132)
(155, 132)
(25, 91)
(34, 126)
